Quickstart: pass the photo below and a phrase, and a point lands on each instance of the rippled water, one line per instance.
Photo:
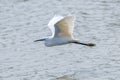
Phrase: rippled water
(23, 21)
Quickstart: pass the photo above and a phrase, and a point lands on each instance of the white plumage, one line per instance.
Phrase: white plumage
(62, 26)
(52, 22)
(62, 31)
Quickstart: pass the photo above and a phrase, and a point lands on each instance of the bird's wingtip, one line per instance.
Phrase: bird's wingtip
(55, 19)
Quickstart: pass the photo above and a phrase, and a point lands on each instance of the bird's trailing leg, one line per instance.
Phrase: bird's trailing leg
(39, 40)
(87, 44)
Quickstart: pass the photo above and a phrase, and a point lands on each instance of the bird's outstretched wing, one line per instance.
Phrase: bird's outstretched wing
(52, 22)
(64, 27)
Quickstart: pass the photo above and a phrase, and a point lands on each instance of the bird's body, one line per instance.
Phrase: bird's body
(62, 31)
(56, 41)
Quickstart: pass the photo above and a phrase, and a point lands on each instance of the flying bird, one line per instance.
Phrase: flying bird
(62, 32)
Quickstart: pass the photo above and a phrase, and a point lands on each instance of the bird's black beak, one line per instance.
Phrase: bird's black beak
(39, 40)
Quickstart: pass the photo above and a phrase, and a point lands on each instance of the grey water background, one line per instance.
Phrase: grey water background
(23, 21)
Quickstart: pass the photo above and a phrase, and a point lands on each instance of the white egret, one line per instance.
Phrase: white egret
(62, 32)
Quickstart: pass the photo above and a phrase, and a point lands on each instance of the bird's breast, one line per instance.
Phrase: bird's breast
(56, 41)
